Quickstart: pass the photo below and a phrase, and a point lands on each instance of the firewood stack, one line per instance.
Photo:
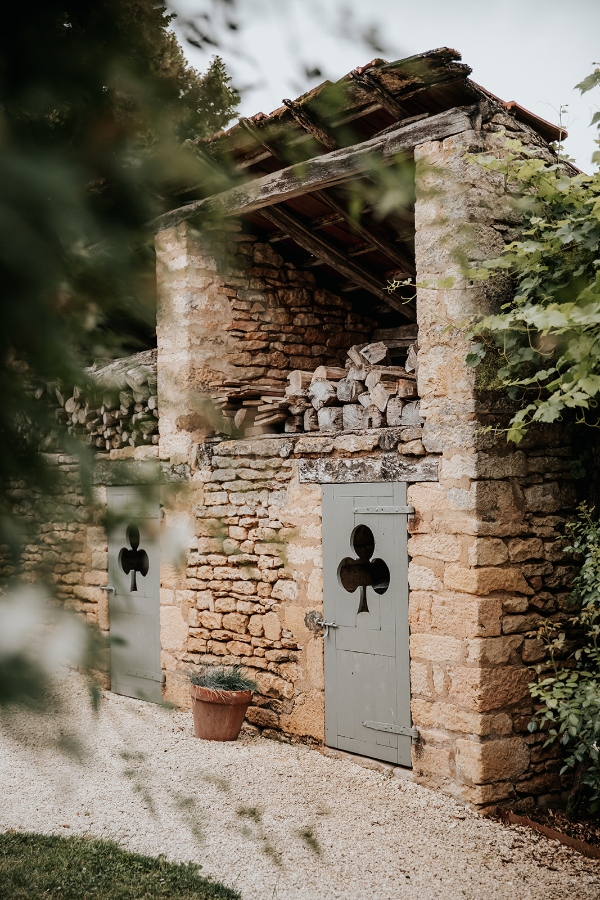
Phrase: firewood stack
(120, 408)
(367, 393)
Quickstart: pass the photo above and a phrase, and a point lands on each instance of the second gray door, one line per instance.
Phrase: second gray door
(134, 605)
(365, 569)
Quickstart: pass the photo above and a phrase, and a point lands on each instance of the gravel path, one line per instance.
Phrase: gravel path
(275, 821)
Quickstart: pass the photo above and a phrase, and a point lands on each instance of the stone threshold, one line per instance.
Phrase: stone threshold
(377, 765)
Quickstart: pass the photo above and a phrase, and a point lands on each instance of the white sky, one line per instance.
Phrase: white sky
(531, 51)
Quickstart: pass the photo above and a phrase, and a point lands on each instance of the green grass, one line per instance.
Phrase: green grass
(74, 868)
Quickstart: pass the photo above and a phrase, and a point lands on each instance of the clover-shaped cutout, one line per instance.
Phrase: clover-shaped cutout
(133, 560)
(363, 572)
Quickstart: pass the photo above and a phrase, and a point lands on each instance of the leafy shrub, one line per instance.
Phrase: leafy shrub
(547, 337)
(224, 678)
(570, 697)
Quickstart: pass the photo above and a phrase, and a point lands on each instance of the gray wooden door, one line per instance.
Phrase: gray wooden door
(134, 604)
(365, 569)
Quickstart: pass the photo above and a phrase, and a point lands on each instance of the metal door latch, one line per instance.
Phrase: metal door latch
(393, 729)
(326, 626)
(108, 588)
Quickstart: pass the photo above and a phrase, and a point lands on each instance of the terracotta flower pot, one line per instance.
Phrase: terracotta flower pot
(218, 715)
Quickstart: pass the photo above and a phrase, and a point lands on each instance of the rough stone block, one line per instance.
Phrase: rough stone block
(485, 794)
(270, 685)
(99, 560)
(484, 689)
(488, 552)
(495, 760)
(307, 717)
(412, 448)
(446, 547)
(266, 718)
(493, 651)
(255, 625)
(492, 465)
(521, 624)
(485, 580)
(464, 615)
(354, 443)
(422, 578)
(533, 651)
(458, 466)
(235, 622)
(238, 648)
(440, 714)
(271, 626)
(173, 628)
(543, 498)
(420, 679)
(285, 590)
(436, 648)
(521, 549)
(210, 620)
(432, 764)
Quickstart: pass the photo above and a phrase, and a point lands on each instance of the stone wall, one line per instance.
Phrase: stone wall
(255, 568)
(486, 545)
(68, 546)
(232, 308)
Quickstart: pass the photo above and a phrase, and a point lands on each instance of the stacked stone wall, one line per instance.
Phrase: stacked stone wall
(68, 546)
(232, 309)
(255, 570)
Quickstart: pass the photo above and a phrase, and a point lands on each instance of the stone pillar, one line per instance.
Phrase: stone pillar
(467, 677)
(192, 316)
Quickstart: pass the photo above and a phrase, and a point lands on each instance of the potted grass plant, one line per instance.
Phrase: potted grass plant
(220, 697)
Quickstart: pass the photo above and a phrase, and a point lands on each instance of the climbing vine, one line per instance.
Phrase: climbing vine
(569, 695)
(547, 337)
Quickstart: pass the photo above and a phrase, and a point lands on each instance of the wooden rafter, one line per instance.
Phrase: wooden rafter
(332, 256)
(324, 171)
(371, 85)
(309, 123)
(371, 234)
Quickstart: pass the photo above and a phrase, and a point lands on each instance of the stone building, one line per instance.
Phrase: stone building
(453, 538)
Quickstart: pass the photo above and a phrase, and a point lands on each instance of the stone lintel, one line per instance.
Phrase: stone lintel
(384, 467)
(143, 472)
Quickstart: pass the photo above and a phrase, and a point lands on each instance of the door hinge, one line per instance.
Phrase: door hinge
(386, 510)
(394, 729)
(151, 676)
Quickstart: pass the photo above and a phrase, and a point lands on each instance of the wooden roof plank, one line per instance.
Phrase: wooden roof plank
(323, 171)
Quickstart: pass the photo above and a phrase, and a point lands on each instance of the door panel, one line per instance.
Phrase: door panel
(134, 605)
(365, 569)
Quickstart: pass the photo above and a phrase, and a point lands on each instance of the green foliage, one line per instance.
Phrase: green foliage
(33, 865)
(569, 697)
(92, 145)
(548, 335)
(223, 678)
(97, 106)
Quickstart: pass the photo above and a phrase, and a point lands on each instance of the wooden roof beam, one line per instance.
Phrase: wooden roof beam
(371, 233)
(332, 256)
(324, 171)
(341, 214)
(309, 123)
(371, 85)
